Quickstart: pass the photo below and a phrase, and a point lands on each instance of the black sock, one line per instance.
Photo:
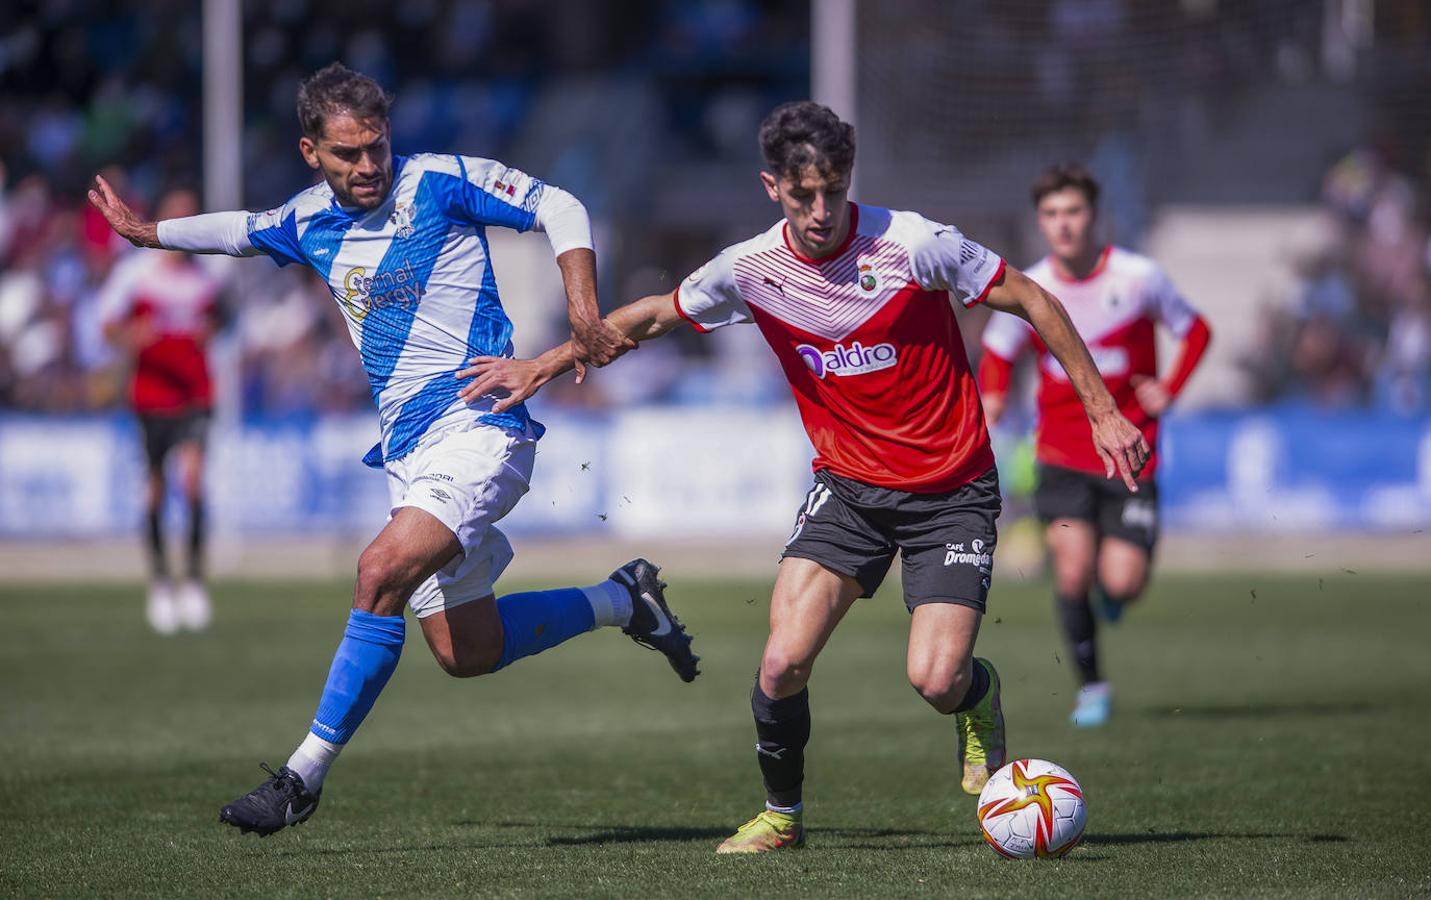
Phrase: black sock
(1075, 616)
(782, 728)
(197, 533)
(977, 689)
(158, 561)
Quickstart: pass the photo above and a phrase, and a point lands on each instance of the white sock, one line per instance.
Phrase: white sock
(610, 603)
(312, 759)
(787, 810)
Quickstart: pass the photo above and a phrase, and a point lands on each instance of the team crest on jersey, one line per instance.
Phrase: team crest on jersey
(403, 217)
(869, 280)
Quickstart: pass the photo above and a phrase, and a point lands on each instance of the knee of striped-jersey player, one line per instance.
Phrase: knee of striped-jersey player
(467, 662)
(384, 582)
(466, 640)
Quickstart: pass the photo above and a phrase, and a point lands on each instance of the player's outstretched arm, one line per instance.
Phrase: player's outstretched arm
(120, 217)
(593, 339)
(1119, 442)
(514, 380)
(222, 232)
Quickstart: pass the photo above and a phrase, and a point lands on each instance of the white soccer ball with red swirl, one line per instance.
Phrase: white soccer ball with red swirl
(1032, 809)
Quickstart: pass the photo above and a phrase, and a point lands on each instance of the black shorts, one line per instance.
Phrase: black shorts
(1106, 502)
(164, 433)
(945, 540)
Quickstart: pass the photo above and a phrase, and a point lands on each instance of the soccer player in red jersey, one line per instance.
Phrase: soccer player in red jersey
(160, 307)
(1100, 532)
(854, 301)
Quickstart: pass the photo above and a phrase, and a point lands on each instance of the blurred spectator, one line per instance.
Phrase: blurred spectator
(1357, 331)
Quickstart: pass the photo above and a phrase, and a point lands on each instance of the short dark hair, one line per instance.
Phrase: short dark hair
(805, 133)
(1063, 176)
(336, 89)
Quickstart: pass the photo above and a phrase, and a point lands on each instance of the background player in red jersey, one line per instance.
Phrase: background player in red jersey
(854, 301)
(160, 307)
(1100, 532)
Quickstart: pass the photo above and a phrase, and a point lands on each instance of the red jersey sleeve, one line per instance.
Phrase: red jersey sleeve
(942, 259)
(708, 298)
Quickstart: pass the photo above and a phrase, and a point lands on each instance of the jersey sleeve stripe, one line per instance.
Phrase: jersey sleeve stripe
(676, 297)
(984, 294)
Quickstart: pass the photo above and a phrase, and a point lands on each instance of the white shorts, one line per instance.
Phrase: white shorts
(468, 479)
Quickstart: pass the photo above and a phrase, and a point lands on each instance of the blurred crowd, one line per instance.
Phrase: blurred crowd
(1357, 331)
(607, 98)
(88, 86)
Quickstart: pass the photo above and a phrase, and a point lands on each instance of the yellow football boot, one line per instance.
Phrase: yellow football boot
(766, 832)
(981, 736)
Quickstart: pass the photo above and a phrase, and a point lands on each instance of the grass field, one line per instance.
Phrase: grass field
(1270, 739)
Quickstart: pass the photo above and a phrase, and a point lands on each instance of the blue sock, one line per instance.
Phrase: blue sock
(540, 620)
(365, 660)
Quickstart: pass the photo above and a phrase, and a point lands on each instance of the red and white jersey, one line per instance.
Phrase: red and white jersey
(868, 341)
(1114, 310)
(179, 298)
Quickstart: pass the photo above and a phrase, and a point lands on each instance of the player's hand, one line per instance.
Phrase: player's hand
(1151, 393)
(1121, 446)
(597, 343)
(120, 217)
(509, 380)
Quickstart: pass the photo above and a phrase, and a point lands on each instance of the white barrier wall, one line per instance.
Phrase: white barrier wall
(695, 471)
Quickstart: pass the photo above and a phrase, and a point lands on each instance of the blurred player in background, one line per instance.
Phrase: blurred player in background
(854, 301)
(1101, 533)
(161, 308)
(401, 243)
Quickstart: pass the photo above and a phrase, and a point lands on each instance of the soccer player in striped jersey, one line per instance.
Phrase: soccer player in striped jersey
(401, 242)
(1101, 533)
(854, 301)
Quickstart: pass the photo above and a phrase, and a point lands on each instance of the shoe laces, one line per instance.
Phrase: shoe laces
(283, 783)
(765, 817)
(971, 723)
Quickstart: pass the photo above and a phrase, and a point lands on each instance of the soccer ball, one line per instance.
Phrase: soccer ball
(1030, 809)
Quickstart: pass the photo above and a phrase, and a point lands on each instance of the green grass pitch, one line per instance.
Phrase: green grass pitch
(1270, 739)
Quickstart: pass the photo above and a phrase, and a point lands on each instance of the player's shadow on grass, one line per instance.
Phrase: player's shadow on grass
(847, 838)
(1178, 837)
(1259, 711)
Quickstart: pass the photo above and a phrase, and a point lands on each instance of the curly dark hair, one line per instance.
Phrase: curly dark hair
(336, 89)
(805, 133)
(1062, 176)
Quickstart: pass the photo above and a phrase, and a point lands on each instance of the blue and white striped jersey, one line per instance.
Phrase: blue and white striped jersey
(414, 280)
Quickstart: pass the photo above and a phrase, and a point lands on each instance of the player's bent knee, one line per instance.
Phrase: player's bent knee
(941, 686)
(784, 673)
(1072, 580)
(469, 667)
(1123, 590)
(382, 585)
